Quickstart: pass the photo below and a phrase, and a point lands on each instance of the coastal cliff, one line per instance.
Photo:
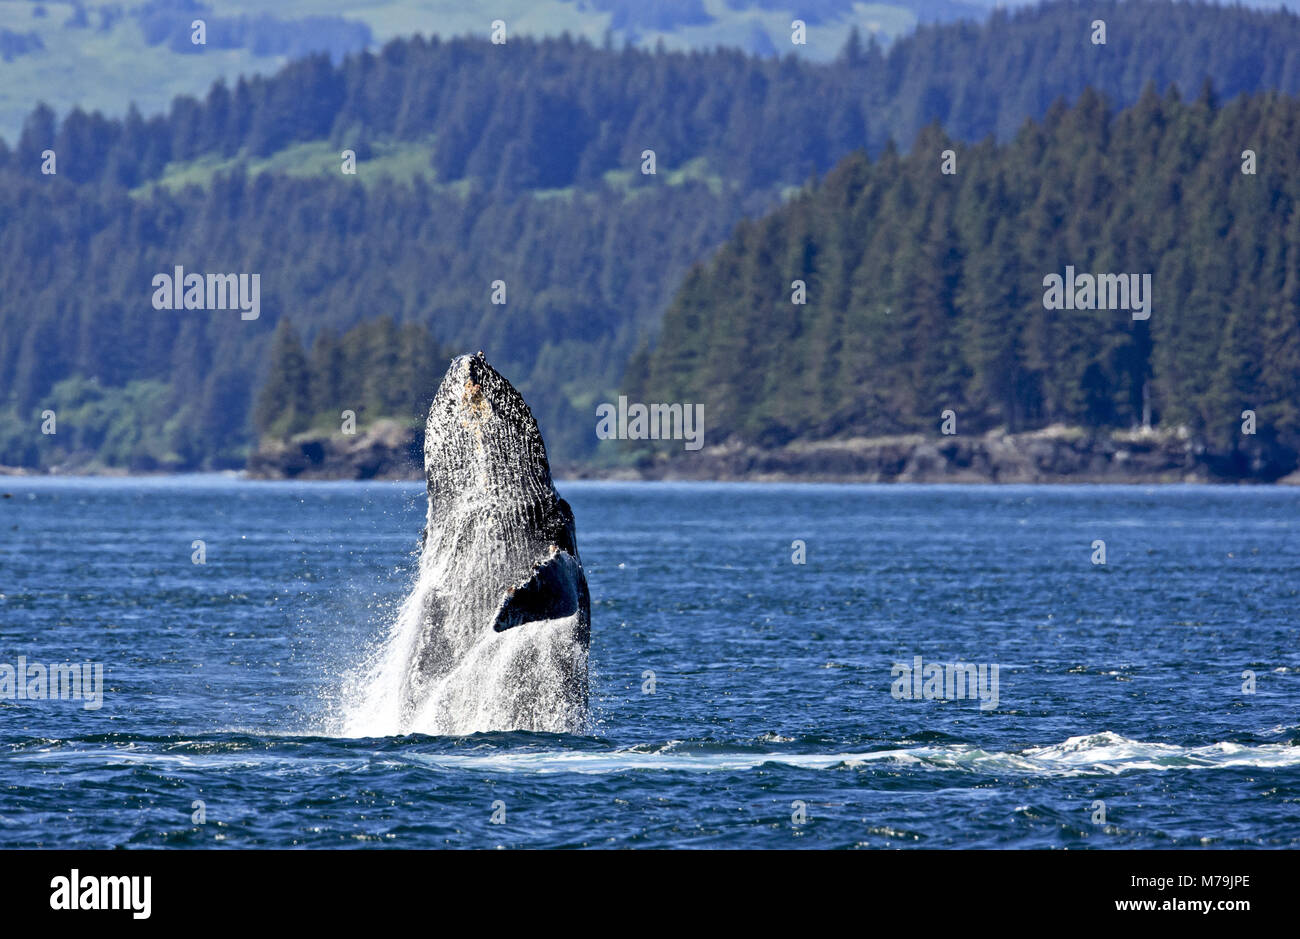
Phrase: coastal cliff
(385, 450)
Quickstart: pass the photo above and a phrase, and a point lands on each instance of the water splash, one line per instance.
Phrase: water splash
(518, 679)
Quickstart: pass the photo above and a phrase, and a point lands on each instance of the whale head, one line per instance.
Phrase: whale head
(482, 441)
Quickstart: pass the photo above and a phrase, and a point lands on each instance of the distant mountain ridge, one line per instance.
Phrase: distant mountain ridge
(111, 53)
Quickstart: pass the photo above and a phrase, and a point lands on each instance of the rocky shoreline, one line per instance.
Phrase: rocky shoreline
(384, 450)
(388, 450)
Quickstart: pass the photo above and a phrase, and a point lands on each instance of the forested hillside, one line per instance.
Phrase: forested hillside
(529, 114)
(375, 369)
(524, 167)
(926, 291)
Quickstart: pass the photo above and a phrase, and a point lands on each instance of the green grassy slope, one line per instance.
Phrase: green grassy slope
(107, 69)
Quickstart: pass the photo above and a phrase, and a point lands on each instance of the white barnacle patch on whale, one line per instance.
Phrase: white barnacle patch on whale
(494, 635)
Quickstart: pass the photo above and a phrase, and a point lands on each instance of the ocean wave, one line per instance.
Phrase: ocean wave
(1102, 753)
(1098, 754)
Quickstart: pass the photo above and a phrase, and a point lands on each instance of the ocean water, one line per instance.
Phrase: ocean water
(739, 700)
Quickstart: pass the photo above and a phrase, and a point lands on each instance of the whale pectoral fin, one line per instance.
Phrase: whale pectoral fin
(550, 592)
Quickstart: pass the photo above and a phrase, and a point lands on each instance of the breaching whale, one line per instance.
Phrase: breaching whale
(494, 635)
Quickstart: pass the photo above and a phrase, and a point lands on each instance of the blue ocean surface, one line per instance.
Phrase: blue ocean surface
(739, 699)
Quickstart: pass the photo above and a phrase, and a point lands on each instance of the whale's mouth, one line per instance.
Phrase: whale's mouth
(549, 592)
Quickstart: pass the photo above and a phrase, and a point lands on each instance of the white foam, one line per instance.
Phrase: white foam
(510, 680)
(1094, 754)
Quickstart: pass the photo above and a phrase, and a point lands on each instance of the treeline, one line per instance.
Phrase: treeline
(585, 279)
(558, 112)
(83, 424)
(169, 21)
(376, 369)
(588, 269)
(925, 291)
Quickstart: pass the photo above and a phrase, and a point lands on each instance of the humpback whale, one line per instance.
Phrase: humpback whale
(494, 635)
